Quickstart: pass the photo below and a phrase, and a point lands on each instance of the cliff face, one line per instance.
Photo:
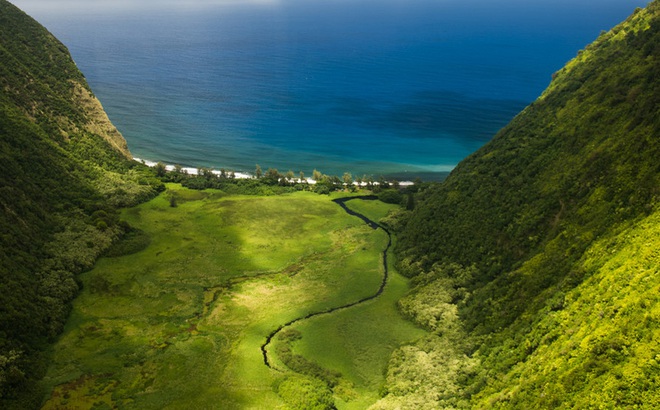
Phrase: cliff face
(525, 239)
(42, 81)
(96, 119)
(64, 170)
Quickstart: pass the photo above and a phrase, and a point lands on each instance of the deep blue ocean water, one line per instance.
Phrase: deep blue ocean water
(363, 86)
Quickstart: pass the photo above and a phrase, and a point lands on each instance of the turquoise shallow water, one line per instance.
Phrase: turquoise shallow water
(367, 87)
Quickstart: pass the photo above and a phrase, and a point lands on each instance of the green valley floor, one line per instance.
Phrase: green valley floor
(180, 324)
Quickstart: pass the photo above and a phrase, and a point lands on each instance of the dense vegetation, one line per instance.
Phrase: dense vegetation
(534, 265)
(177, 321)
(64, 170)
(273, 182)
(536, 261)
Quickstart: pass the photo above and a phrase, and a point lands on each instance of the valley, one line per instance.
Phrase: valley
(181, 322)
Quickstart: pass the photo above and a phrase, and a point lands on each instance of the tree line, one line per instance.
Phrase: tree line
(272, 182)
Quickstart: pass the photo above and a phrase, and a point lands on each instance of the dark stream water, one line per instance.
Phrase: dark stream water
(374, 225)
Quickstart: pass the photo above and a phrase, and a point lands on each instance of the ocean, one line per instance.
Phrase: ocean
(401, 88)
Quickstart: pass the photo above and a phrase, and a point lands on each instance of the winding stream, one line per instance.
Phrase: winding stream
(374, 225)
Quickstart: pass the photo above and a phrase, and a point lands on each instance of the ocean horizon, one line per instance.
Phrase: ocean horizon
(394, 88)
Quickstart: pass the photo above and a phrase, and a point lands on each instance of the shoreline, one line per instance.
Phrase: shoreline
(243, 175)
(189, 170)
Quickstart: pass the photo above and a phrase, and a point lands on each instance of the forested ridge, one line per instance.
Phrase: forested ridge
(64, 171)
(536, 262)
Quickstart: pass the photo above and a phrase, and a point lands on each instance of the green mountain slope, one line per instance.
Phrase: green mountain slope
(539, 252)
(64, 170)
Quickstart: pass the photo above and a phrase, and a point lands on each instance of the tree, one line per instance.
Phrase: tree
(410, 205)
(206, 173)
(390, 196)
(302, 176)
(348, 179)
(369, 180)
(336, 182)
(383, 182)
(177, 174)
(258, 172)
(160, 169)
(317, 176)
(290, 175)
(272, 176)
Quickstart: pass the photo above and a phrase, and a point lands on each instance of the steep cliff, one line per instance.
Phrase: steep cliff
(537, 253)
(64, 170)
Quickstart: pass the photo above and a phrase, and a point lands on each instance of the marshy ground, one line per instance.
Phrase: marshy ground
(181, 323)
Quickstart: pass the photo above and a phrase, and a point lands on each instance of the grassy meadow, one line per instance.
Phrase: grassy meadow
(180, 324)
